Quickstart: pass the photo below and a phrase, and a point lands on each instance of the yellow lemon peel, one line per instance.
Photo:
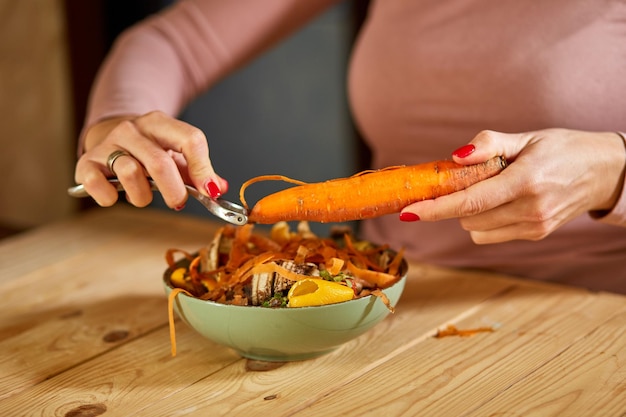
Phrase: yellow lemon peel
(178, 277)
(317, 292)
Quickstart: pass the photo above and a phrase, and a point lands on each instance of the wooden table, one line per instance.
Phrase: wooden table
(84, 332)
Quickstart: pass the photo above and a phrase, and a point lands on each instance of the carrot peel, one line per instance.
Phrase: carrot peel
(170, 308)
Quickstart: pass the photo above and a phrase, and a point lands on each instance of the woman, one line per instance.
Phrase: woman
(548, 81)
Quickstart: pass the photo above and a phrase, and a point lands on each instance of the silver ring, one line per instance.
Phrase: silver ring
(113, 157)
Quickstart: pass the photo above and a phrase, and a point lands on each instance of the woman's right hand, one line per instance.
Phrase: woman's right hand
(171, 152)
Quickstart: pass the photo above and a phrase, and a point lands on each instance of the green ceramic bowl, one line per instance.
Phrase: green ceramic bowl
(284, 334)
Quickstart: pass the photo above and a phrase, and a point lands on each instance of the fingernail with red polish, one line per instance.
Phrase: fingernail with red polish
(464, 151)
(409, 217)
(179, 208)
(212, 189)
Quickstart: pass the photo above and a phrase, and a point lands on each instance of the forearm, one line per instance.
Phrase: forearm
(168, 59)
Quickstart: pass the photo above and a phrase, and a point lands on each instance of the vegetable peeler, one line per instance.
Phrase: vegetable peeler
(225, 210)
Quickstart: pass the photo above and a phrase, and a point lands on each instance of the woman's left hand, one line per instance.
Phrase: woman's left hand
(553, 176)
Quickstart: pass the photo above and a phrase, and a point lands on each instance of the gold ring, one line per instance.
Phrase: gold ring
(113, 157)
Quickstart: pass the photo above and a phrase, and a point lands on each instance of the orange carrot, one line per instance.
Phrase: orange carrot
(367, 194)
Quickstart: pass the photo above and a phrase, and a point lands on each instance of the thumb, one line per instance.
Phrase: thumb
(200, 170)
(204, 178)
(488, 144)
(188, 141)
(201, 177)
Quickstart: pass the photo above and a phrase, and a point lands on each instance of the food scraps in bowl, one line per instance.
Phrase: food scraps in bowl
(285, 270)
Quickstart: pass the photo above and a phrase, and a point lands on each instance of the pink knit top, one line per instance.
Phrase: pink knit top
(425, 77)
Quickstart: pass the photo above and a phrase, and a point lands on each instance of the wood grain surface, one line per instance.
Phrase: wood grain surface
(84, 333)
